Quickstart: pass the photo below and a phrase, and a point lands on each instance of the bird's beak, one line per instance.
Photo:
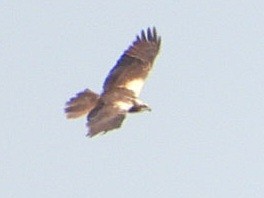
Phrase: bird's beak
(148, 108)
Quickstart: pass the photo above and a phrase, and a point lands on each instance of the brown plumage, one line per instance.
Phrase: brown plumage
(121, 87)
(81, 104)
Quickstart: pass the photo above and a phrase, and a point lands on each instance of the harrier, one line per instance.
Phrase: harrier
(121, 88)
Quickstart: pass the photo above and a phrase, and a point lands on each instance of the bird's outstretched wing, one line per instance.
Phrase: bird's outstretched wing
(134, 65)
(105, 117)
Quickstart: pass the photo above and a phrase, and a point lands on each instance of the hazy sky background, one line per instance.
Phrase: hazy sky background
(205, 135)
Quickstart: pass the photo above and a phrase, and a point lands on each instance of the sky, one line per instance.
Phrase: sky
(205, 135)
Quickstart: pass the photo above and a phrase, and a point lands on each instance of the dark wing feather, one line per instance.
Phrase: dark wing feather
(104, 118)
(136, 62)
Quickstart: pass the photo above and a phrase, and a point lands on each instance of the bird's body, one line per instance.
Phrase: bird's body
(121, 88)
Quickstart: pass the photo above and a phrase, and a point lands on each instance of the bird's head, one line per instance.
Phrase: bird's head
(139, 108)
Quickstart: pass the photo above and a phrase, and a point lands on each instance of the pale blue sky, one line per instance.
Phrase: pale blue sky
(205, 135)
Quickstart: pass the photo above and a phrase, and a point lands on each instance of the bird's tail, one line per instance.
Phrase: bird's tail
(81, 104)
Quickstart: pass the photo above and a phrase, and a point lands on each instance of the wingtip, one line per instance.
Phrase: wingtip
(143, 36)
(154, 33)
(89, 135)
(149, 35)
(91, 131)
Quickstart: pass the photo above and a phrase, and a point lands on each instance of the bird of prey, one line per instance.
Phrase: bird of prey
(121, 88)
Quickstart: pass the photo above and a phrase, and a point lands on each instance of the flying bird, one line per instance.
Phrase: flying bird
(121, 88)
